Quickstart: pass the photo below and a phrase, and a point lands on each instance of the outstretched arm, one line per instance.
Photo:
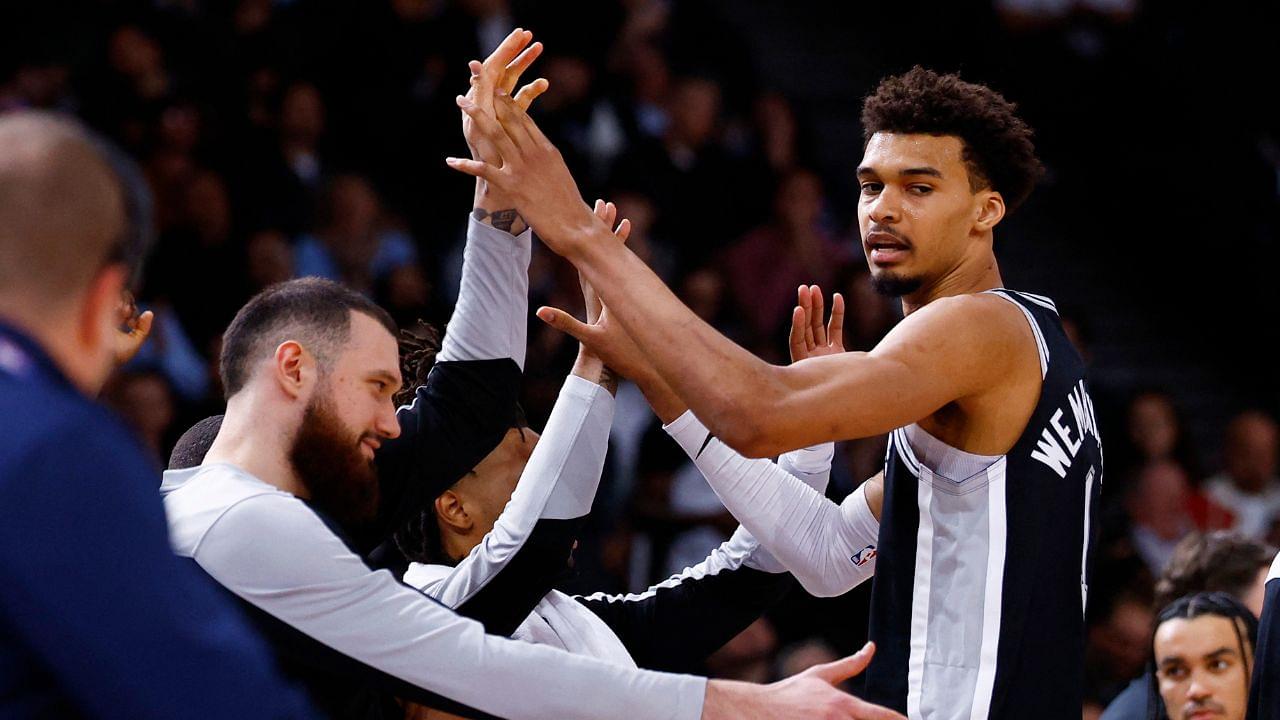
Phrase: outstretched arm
(469, 400)
(947, 351)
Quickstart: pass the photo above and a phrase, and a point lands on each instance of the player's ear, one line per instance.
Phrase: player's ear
(452, 512)
(988, 211)
(294, 368)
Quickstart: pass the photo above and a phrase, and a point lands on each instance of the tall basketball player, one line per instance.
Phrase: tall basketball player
(995, 460)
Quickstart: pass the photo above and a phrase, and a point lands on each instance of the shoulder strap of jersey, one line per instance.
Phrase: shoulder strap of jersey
(1025, 302)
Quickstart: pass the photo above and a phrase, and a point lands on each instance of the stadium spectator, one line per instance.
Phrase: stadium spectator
(1158, 504)
(1247, 485)
(1222, 562)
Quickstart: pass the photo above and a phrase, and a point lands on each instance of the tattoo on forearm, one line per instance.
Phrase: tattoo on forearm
(501, 219)
(609, 380)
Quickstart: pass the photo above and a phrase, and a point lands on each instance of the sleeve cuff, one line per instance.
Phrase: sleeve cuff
(688, 431)
(486, 233)
(813, 460)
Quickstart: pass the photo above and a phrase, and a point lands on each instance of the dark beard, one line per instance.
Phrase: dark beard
(895, 286)
(329, 462)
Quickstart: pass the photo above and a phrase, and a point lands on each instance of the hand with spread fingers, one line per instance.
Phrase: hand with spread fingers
(809, 337)
(496, 77)
(528, 169)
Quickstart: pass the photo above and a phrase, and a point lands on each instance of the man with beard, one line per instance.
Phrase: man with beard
(994, 461)
(310, 369)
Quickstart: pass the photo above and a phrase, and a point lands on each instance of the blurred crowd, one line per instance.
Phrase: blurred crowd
(291, 138)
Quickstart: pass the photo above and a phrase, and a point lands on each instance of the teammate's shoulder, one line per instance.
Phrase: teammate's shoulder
(47, 428)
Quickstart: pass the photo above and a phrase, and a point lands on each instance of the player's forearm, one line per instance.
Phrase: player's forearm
(490, 319)
(726, 386)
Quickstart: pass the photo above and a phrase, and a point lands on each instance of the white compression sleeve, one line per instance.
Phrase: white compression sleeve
(491, 318)
(559, 483)
(830, 548)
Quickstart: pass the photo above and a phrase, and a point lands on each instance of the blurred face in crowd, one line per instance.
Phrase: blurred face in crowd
(917, 212)
(1158, 502)
(799, 199)
(1153, 425)
(468, 510)
(695, 110)
(1200, 671)
(302, 113)
(349, 414)
(1250, 451)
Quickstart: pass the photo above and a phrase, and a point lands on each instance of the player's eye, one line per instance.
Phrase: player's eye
(1173, 672)
(1219, 665)
(871, 188)
(920, 189)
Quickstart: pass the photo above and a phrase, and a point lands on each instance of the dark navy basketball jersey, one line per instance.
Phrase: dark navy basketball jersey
(1264, 692)
(978, 602)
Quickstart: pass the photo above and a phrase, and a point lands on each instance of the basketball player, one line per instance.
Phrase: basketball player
(1264, 693)
(1202, 655)
(994, 461)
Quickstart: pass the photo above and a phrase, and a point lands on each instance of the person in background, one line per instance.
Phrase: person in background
(1202, 658)
(1222, 562)
(94, 599)
(1247, 485)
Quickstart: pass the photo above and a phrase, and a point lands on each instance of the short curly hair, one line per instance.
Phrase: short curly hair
(998, 149)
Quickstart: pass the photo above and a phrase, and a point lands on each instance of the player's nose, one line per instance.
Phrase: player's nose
(387, 425)
(884, 208)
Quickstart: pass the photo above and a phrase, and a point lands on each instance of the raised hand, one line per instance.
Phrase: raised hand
(498, 75)
(529, 170)
(132, 329)
(809, 337)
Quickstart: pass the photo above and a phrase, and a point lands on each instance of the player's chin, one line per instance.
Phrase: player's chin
(895, 282)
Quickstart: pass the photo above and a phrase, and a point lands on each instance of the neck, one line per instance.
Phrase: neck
(458, 546)
(251, 440)
(49, 331)
(971, 275)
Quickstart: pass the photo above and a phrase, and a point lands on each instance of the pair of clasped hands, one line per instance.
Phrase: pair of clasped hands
(513, 158)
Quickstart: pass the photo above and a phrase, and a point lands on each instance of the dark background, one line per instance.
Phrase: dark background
(293, 137)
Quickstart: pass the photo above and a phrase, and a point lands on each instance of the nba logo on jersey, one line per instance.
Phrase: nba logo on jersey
(864, 556)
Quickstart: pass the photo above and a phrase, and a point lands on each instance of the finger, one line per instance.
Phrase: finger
(566, 323)
(476, 168)
(806, 302)
(610, 214)
(598, 209)
(624, 230)
(530, 92)
(143, 326)
(795, 339)
(845, 668)
(489, 128)
(507, 50)
(514, 120)
(516, 67)
(835, 330)
(817, 316)
(476, 67)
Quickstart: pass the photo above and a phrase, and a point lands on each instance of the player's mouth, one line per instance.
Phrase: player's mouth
(886, 249)
(1204, 714)
(370, 445)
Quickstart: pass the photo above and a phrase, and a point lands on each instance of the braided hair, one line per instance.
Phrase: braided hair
(1188, 607)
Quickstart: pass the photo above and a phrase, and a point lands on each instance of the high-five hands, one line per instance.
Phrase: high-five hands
(530, 171)
(809, 337)
(497, 76)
